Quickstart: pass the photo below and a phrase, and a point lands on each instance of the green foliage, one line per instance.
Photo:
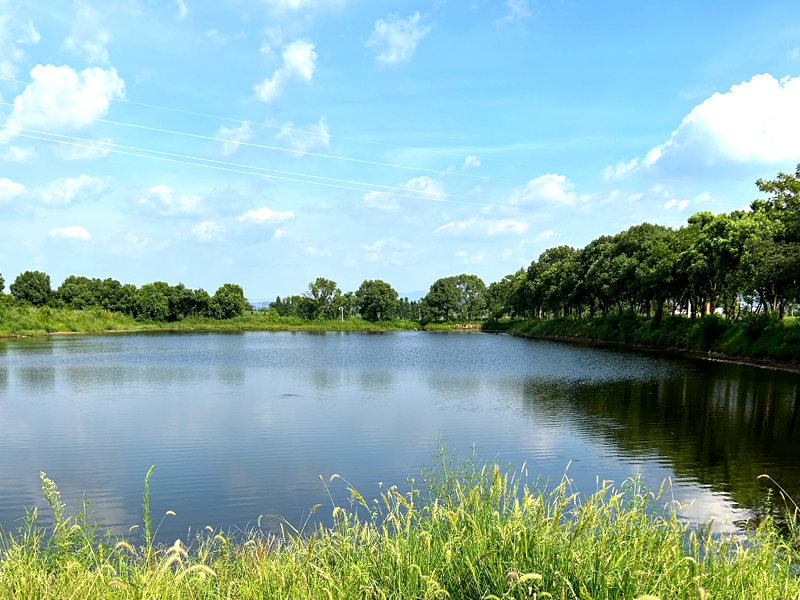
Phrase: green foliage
(229, 301)
(472, 531)
(32, 287)
(442, 299)
(2, 283)
(377, 300)
(151, 302)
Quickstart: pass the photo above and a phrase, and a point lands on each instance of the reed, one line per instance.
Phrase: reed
(470, 530)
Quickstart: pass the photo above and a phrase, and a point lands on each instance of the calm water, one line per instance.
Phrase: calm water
(241, 425)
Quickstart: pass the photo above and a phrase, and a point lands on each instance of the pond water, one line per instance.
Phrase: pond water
(240, 425)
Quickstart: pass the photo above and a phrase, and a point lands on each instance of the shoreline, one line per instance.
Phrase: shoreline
(683, 352)
(458, 328)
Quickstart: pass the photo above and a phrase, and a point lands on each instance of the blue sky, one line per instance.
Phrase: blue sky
(269, 142)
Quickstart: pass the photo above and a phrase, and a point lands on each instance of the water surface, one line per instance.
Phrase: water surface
(242, 424)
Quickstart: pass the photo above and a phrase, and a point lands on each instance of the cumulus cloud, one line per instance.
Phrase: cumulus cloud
(167, 202)
(73, 232)
(64, 92)
(299, 61)
(266, 215)
(207, 231)
(621, 170)
(674, 203)
(471, 162)
(66, 191)
(89, 38)
(305, 139)
(234, 135)
(422, 185)
(395, 39)
(10, 190)
(517, 11)
(183, 10)
(15, 154)
(756, 121)
(552, 188)
(14, 33)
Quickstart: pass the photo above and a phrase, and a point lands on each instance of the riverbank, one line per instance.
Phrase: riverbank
(478, 533)
(24, 322)
(757, 340)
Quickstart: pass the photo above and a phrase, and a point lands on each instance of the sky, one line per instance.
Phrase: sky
(271, 142)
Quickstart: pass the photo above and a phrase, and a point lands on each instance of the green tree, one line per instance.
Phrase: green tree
(443, 297)
(32, 287)
(325, 294)
(471, 295)
(151, 301)
(377, 300)
(229, 300)
(2, 283)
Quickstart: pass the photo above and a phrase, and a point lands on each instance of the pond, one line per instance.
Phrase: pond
(240, 425)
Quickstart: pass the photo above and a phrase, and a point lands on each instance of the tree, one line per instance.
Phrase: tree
(443, 297)
(377, 300)
(325, 296)
(229, 300)
(2, 283)
(32, 287)
(471, 294)
(151, 302)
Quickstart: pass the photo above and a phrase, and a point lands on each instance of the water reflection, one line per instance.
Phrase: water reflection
(242, 425)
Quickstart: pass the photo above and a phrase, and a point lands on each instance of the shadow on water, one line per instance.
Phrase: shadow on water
(722, 426)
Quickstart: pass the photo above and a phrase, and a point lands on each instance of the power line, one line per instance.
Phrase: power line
(195, 164)
(282, 128)
(216, 139)
(102, 145)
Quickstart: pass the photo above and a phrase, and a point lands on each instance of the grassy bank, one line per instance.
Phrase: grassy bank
(479, 533)
(755, 337)
(42, 321)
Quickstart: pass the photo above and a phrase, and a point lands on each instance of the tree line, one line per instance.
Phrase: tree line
(745, 261)
(157, 301)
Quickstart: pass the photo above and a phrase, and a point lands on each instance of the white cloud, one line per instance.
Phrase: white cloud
(164, 199)
(471, 162)
(266, 215)
(132, 245)
(756, 121)
(675, 203)
(388, 250)
(234, 135)
(86, 152)
(517, 10)
(702, 197)
(64, 92)
(620, 170)
(478, 258)
(422, 185)
(208, 231)
(73, 232)
(13, 34)
(547, 234)
(445, 226)
(395, 39)
(507, 226)
(305, 139)
(553, 188)
(15, 154)
(89, 39)
(66, 191)
(183, 10)
(10, 190)
(299, 61)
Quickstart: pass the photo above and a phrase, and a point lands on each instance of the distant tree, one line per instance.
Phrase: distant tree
(2, 283)
(324, 294)
(203, 303)
(471, 295)
(32, 287)
(443, 297)
(151, 302)
(377, 300)
(230, 301)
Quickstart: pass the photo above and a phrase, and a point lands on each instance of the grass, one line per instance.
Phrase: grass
(477, 532)
(758, 337)
(42, 321)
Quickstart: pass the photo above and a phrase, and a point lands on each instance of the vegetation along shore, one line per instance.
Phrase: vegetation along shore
(469, 530)
(727, 283)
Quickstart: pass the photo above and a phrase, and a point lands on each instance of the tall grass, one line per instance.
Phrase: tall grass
(477, 532)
